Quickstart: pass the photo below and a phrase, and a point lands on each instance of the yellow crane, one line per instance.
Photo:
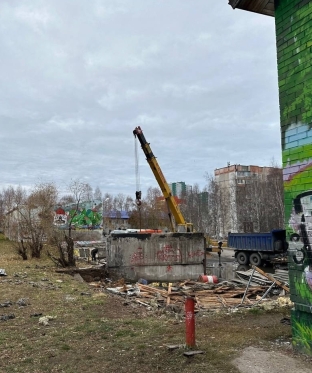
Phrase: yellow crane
(180, 224)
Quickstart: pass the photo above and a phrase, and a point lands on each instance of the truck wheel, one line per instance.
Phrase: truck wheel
(255, 259)
(242, 257)
(242, 268)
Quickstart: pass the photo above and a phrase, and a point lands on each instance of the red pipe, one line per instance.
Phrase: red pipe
(190, 322)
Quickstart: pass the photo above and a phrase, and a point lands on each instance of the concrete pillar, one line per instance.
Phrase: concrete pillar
(293, 20)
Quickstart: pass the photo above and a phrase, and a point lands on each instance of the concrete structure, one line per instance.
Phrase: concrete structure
(156, 257)
(239, 174)
(230, 179)
(294, 60)
(180, 189)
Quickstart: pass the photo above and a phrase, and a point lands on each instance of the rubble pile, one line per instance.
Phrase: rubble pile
(224, 295)
(253, 288)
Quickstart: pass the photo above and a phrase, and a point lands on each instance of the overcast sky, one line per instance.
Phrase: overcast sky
(78, 76)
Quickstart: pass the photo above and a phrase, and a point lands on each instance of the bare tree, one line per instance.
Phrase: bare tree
(66, 200)
(152, 213)
(275, 190)
(191, 206)
(156, 211)
(119, 202)
(218, 208)
(2, 212)
(129, 204)
(88, 193)
(9, 203)
(97, 193)
(259, 201)
(8, 206)
(64, 242)
(34, 218)
(107, 209)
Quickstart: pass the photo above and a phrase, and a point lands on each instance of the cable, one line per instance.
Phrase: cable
(136, 158)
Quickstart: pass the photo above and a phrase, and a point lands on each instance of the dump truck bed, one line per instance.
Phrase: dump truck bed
(256, 241)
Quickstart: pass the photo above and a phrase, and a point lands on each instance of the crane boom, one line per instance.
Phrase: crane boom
(172, 205)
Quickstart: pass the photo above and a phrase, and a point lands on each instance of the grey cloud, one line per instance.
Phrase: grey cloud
(77, 77)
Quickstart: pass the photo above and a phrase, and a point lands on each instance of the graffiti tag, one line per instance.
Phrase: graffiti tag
(195, 254)
(137, 257)
(169, 254)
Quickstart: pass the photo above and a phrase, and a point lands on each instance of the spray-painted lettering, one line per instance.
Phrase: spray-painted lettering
(169, 254)
(137, 257)
(195, 254)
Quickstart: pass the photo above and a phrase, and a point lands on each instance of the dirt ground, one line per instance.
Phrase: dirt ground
(95, 331)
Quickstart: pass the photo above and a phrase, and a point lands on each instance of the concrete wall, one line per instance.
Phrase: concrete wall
(294, 53)
(156, 257)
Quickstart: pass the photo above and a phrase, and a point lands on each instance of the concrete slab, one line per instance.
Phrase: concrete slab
(256, 360)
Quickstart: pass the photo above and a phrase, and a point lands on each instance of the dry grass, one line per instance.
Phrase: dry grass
(98, 332)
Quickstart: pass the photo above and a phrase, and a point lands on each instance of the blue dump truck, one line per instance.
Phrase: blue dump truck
(258, 248)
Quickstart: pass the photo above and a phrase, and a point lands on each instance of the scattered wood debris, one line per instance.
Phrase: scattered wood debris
(271, 278)
(262, 278)
(224, 295)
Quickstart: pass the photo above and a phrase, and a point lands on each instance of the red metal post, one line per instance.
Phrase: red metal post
(190, 322)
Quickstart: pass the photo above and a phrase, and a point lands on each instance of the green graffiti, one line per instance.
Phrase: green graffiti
(294, 47)
(302, 336)
(302, 289)
(294, 44)
(85, 218)
(298, 183)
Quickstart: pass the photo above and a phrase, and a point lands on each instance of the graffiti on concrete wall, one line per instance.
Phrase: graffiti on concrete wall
(196, 254)
(137, 257)
(166, 254)
(169, 254)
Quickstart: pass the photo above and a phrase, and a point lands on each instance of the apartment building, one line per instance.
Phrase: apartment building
(179, 189)
(232, 179)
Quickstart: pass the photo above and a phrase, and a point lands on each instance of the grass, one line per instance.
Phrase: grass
(100, 333)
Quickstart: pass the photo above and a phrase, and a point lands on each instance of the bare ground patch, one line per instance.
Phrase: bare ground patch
(94, 331)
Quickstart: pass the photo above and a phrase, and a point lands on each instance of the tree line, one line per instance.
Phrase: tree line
(26, 217)
(255, 206)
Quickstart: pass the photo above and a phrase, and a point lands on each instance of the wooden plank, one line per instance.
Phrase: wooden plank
(152, 290)
(142, 303)
(168, 294)
(223, 301)
(271, 278)
(184, 282)
(147, 295)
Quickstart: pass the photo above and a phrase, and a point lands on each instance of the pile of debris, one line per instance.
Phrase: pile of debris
(224, 295)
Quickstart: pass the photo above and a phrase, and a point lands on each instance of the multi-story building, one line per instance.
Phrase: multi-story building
(239, 174)
(232, 180)
(180, 189)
